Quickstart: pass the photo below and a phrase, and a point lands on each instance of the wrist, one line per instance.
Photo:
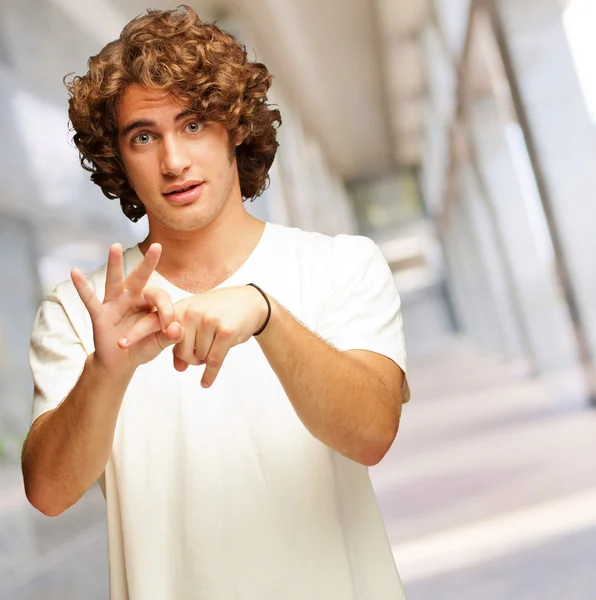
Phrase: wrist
(265, 314)
(123, 372)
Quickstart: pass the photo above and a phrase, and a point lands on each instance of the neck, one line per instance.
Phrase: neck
(204, 257)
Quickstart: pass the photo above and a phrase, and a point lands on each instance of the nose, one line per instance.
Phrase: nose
(175, 159)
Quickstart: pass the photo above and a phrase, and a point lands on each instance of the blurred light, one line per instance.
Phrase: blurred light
(413, 279)
(101, 20)
(579, 21)
(55, 267)
(52, 159)
(529, 190)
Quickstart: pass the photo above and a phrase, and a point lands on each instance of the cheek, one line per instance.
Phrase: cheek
(206, 152)
(139, 169)
(215, 151)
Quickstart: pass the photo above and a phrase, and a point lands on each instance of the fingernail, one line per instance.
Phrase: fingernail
(204, 384)
(124, 341)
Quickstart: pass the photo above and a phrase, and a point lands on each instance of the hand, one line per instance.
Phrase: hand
(126, 303)
(213, 323)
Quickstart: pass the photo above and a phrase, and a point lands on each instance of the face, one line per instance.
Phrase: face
(182, 169)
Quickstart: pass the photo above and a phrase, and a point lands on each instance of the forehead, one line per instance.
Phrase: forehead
(138, 101)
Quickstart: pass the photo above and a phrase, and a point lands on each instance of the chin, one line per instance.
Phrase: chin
(187, 220)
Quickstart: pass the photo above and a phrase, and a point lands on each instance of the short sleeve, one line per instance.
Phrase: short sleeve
(56, 356)
(361, 307)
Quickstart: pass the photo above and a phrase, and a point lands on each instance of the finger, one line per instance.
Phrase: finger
(174, 334)
(140, 330)
(139, 277)
(161, 300)
(204, 339)
(86, 293)
(185, 350)
(114, 278)
(179, 364)
(219, 351)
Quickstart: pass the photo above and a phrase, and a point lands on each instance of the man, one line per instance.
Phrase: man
(234, 464)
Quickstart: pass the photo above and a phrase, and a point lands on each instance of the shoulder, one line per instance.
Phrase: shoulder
(325, 249)
(355, 249)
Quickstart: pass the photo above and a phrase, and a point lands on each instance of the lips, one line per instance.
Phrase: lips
(182, 189)
(184, 194)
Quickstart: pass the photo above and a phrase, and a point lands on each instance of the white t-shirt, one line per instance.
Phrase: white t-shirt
(222, 493)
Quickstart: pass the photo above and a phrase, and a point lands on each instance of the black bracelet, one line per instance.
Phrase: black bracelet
(268, 308)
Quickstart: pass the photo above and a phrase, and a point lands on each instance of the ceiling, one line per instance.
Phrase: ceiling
(354, 69)
(401, 24)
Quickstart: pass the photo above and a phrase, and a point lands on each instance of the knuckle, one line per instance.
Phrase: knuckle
(209, 321)
(165, 311)
(156, 297)
(225, 333)
(193, 312)
(163, 298)
(212, 363)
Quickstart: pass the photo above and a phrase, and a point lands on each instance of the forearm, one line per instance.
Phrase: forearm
(66, 453)
(338, 398)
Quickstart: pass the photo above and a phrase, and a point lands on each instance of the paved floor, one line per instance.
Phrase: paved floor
(488, 494)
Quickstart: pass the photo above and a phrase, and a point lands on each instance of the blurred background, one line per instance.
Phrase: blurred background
(460, 136)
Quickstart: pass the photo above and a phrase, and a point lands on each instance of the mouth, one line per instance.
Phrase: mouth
(181, 190)
(184, 194)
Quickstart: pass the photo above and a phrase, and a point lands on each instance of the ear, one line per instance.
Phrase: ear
(239, 138)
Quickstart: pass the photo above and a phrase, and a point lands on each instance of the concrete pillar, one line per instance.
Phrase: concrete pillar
(545, 313)
(465, 277)
(563, 135)
(438, 114)
(501, 308)
(453, 17)
(481, 300)
(457, 280)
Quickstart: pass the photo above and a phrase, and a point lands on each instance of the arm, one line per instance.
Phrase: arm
(350, 401)
(68, 446)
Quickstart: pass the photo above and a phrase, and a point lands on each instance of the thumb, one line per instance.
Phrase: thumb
(174, 334)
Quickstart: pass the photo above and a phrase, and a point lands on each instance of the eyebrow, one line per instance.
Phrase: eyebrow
(147, 123)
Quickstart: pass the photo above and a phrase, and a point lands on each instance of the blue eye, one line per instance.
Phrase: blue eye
(142, 139)
(194, 127)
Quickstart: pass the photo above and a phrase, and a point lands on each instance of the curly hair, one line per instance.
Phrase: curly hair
(199, 64)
